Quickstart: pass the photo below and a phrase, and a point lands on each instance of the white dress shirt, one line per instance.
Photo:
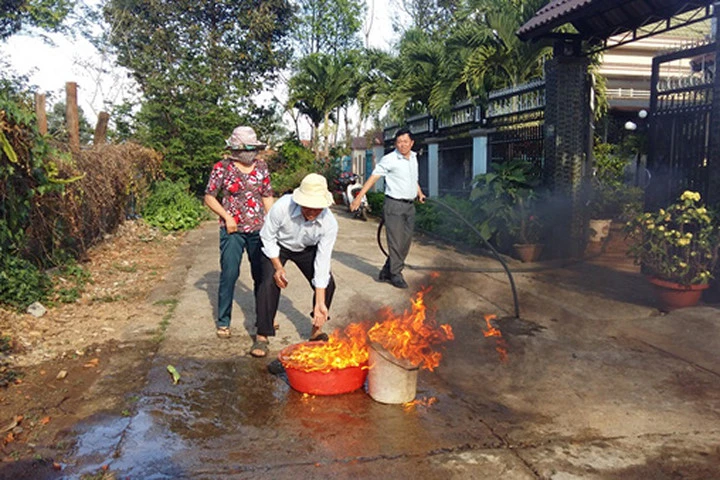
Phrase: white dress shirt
(285, 226)
(401, 175)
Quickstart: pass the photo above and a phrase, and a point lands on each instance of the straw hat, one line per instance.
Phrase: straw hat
(313, 192)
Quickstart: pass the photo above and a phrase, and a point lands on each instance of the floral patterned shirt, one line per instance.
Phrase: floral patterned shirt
(242, 193)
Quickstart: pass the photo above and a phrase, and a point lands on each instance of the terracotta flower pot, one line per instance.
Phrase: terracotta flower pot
(672, 296)
(528, 252)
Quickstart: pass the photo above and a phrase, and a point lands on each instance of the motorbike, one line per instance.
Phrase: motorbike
(353, 188)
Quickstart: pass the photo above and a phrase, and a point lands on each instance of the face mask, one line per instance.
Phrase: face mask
(246, 158)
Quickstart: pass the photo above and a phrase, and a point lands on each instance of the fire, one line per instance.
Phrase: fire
(409, 336)
(412, 335)
(343, 349)
(422, 402)
(500, 344)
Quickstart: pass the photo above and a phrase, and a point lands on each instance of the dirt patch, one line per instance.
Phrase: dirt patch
(85, 357)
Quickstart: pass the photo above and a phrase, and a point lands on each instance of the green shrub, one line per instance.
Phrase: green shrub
(69, 282)
(172, 207)
(21, 282)
(440, 220)
(376, 200)
(289, 166)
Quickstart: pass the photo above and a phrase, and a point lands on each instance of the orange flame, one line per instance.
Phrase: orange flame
(421, 402)
(500, 343)
(410, 336)
(343, 349)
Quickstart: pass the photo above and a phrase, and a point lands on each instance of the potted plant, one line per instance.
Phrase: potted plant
(610, 193)
(506, 200)
(677, 248)
(526, 230)
(604, 207)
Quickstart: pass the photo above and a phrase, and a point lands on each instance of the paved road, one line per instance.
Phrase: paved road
(595, 384)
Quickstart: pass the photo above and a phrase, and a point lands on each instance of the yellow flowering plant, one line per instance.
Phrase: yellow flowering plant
(677, 244)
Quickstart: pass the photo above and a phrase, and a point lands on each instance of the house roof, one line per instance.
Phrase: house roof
(600, 19)
(359, 143)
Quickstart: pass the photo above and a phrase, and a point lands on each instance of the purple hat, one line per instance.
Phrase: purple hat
(243, 138)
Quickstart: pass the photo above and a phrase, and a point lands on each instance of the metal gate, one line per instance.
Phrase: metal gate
(516, 115)
(681, 112)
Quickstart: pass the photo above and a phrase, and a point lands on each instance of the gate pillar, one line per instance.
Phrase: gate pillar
(567, 146)
(433, 166)
(378, 151)
(480, 154)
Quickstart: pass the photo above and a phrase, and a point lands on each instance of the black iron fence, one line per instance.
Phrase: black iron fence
(681, 137)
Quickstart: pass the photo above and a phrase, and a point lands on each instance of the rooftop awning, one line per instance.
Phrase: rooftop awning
(597, 20)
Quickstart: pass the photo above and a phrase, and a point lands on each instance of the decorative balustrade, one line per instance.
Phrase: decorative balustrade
(461, 114)
(516, 100)
(515, 105)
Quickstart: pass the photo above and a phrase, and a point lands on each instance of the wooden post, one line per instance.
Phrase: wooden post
(72, 121)
(40, 113)
(101, 128)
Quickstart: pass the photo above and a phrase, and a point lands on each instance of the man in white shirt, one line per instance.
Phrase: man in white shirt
(299, 227)
(400, 169)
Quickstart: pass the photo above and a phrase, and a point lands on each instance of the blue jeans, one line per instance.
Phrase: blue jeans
(231, 250)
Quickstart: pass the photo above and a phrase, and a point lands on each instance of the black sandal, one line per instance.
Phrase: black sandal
(320, 337)
(260, 346)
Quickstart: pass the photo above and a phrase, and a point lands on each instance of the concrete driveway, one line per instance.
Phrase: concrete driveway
(590, 382)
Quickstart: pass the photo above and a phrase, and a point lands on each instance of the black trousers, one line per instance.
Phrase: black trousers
(268, 296)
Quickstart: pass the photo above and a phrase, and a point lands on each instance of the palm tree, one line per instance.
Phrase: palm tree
(322, 84)
(478, 53)
(510, 60)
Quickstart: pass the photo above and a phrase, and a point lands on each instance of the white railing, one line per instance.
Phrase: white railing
(627, 93)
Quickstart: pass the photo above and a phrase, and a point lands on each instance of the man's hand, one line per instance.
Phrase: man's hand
(421, 198)
(280, 278)
(231, 225)
(320, 315)
(355, 204)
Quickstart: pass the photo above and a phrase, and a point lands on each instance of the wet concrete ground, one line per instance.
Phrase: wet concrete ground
(595, 384)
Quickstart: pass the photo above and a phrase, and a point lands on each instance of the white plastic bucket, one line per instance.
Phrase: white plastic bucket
(390, 380)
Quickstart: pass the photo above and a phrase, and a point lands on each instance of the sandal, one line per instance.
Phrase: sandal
(223, 332)
(260, 348)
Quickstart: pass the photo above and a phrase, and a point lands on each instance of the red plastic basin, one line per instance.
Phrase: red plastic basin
(334, 382)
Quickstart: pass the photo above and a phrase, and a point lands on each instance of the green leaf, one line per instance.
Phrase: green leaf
(175, 374)
(7, 148)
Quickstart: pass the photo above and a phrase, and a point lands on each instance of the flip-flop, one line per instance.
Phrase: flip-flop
(223, 332)
(260, 346)
(320, 337)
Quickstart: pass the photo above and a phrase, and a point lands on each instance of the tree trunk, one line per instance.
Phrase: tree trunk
(72, 122)
(101, 128)
(326, 130)
(40, 113)
(316, 141)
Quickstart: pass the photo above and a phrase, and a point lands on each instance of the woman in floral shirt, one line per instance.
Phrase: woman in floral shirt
(243, 180)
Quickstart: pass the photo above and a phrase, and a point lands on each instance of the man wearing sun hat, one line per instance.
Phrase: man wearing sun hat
(299, 227)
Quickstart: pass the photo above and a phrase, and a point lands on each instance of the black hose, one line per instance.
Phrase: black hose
(495, 253)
